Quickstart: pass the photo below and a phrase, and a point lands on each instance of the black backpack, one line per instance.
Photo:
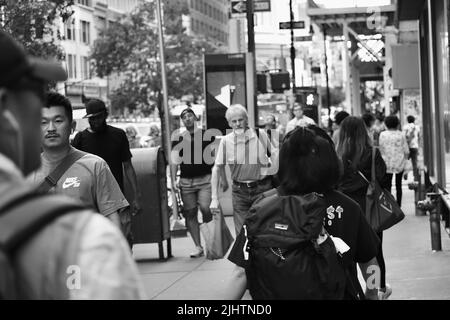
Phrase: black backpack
(284, 259)
(22, 217)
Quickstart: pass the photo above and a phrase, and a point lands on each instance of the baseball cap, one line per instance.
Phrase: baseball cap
(16, 64)
(94, 107)
(188, 110)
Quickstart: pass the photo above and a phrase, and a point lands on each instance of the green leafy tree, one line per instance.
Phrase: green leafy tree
(130, 47)
(32, 23)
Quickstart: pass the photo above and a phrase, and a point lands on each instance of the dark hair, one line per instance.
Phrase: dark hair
(353, 140)
(410, 119)
(340, 116)
(380, 117)
(368, 119)
(391, 122)
(55, 99)
(308, 163)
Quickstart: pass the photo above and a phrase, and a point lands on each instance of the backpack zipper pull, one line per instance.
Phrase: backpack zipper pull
(245, 249)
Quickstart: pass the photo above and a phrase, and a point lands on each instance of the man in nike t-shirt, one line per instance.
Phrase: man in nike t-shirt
(89, 179)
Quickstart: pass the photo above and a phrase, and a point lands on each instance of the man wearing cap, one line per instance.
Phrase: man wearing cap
(299, 120)
(110, 144)
(189, 151)
(79, 241)
(88, 177)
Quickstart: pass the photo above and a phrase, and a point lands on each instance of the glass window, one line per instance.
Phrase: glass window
(85, 68)
(70, 29)
(71, 66)
(84, 2)
(85, 32)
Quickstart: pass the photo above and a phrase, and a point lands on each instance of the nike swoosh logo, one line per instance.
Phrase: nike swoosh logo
(71, 182)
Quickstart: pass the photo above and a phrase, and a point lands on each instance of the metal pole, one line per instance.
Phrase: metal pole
(292, 43)
(251, 60)
(250, 26)
(326, 75)
(166, 107)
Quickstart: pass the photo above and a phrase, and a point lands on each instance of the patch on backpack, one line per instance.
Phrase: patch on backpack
(280, 226)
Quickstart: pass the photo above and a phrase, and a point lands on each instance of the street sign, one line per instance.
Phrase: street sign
(305, 38)
(295, 25)
(240, 6)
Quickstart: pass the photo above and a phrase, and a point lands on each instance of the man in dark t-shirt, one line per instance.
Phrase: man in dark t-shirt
(110, 144)
(192, 150)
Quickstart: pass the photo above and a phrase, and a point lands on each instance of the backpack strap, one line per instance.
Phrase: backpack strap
(26, 215)
(52, 179)
(265, 143)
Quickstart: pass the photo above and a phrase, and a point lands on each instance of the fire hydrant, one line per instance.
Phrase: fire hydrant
(431, 204)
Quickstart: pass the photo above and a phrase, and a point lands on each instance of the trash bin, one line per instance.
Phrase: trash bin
(151, 225)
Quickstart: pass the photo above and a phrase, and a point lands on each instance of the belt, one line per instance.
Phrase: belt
(251, 184)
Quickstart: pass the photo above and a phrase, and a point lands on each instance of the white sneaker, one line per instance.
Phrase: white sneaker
(384, 294)
(198, 252)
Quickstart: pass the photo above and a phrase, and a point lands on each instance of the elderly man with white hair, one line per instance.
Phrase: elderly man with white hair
(246, 151)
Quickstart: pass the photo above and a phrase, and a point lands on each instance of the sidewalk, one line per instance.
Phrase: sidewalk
(413, 270)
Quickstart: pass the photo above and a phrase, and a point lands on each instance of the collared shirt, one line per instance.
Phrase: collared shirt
(89, 179)
(247, 155)
(107, 268)
(302, 122)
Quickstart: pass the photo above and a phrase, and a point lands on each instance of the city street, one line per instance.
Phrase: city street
(413, 270)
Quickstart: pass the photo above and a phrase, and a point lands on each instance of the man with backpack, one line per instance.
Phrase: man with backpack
(51, 247)
(66, 170)
(303, 240)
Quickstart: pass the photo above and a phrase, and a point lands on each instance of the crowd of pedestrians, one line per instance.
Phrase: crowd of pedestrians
(267, 166)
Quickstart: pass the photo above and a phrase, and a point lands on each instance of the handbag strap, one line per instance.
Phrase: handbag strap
(373, 165)
(372, 169)
(52, 179)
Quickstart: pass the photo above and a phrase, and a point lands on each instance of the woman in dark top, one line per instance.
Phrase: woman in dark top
(355, 150)
(309, 163)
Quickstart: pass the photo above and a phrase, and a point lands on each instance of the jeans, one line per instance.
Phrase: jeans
(243, 198)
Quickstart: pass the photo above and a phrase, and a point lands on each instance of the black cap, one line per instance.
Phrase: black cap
(94, 107)
(15, 64)
(188, 110)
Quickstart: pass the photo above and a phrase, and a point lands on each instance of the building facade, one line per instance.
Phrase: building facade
(90, 17)
(209, 18)
(432, 19)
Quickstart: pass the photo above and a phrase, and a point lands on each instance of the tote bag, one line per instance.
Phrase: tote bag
(382, 210)
(218, 237)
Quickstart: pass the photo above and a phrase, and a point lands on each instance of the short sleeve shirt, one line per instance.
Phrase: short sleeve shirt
(393, 147)
(246, 155)
(111, 145)
(89, 179)
(345, 220)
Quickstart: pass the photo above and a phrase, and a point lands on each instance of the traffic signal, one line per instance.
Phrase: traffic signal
(280, 82)
(261, 82)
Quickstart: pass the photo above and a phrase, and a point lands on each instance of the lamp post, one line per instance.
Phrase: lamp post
(166, 108)
(292, 44)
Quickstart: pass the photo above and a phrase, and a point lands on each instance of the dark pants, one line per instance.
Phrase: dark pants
(398, 185)
(413, 155)
(381, 263)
